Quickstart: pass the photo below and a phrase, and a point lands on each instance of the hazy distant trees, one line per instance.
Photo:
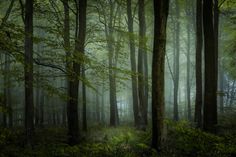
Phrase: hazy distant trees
(161, 8)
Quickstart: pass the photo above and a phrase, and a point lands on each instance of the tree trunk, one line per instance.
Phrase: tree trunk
(41, 109)
(66, 38)
(114, 117)
(133, 64)
(176, 65)
(29, 106)
(221, 87)
(97, 108)
(216, 30)
(188, 12)
(37, 100)
(210, 98)
(198, 67)
(72, 106)
(84, 101)
(161, 8)
(141, 54)
(103, 106)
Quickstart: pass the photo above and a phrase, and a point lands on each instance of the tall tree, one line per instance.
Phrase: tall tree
(28, 69)
(98, 114)
(133, 63)
(198, 67)
(210, 98)
(109, 24)
(161, 8)
(141, 56)
(66, 38)
(221, 73)
(176, 61)
(72, 106)
(188, 87)
(84, 101)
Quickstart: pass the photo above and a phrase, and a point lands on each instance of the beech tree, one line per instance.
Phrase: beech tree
(161, 8)
(210, 98)
(198, 67)
(29, 105)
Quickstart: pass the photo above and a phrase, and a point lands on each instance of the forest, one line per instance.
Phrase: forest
(117, 78)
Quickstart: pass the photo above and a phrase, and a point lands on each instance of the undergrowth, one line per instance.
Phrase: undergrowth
(183, 141)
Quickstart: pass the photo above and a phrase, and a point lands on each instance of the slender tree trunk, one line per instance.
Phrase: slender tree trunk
(84, 101)
(198, 67)
(232, 93)
(37, 102)
(29, 106)
(161, 8)
(97, 108)
(66, 38)
(5, 92)
(41, 108)
(72, 106)
(141, 54)
(133, 64)
(221, 87)
(188, 12)
(216, 31)
(103, 106)
(114, 117)
(210, 98)
(176, 74)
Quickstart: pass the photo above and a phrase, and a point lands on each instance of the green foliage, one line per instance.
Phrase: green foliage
(188, 141)
(105, 142)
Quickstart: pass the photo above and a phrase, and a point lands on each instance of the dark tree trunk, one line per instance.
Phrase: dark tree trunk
(97, 108)
(114, 117)
(141, 54)
(37, 100)
(161, 8)
(113, 99)
(84, 101)
(198, 67)
(188, 91)
(221, 86)
(176, 63)
(210, 98)
(41, 103)
(216, 30)
(66, 38)
(188, 76)
(29, 106)
(72, 106)
(133, 64)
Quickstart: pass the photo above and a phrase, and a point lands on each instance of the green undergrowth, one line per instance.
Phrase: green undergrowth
(98, 142)
(182, 141)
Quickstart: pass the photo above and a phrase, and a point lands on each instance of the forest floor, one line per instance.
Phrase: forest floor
(123, 141)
